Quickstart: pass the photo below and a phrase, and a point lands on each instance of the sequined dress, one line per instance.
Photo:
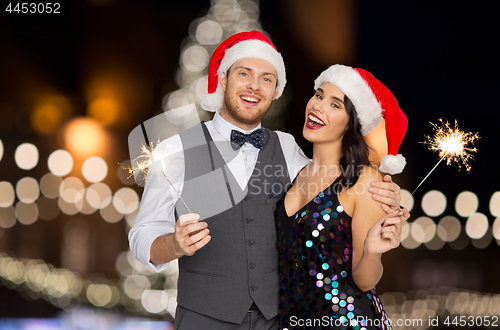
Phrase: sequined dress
(315, 260)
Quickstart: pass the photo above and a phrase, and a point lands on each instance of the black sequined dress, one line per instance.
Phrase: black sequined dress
(316, 287)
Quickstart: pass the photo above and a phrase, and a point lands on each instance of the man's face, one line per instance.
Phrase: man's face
(248, 92)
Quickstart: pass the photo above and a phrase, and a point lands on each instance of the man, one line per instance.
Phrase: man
(228, 263)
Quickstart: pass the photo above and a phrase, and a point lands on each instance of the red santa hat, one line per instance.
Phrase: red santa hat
(245, 44)
(373, 101)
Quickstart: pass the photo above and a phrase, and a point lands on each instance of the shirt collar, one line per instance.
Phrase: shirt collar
(224, 127)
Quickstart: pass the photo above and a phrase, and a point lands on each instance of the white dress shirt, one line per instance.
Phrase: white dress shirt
(156, 213)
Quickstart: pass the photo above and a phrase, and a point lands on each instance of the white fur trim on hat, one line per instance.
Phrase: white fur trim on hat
(214, 101)
(391, 164)
(370, 113)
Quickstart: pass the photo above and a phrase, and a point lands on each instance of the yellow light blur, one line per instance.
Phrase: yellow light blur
(99, 294)
(104, 110)
(85, 137)
(48, 115)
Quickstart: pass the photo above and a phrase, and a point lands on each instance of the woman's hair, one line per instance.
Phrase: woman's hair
(354, 148)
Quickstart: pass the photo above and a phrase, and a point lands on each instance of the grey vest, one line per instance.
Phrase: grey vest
(240, 263)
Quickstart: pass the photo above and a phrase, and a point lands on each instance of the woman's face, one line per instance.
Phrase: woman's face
(326, 117)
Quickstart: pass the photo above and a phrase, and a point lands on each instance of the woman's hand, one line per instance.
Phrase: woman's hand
(385, 234)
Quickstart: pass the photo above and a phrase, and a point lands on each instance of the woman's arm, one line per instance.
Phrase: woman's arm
(373, 232)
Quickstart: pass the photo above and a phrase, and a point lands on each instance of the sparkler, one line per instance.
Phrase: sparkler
(452, 144)
(144, 162)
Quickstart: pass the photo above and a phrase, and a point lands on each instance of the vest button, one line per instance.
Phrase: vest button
(248, 220)
(250, 242)
(253, 288)
(252, 265)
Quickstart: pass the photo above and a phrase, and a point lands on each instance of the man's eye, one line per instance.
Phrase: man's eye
(318, 96)
(244, 74)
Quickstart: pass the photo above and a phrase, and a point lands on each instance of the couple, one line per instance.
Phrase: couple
(330, 236)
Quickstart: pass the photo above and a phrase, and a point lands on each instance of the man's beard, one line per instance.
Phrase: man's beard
(235, 112)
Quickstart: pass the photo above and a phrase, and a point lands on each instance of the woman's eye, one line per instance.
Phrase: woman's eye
(318, 96)
(335, 105)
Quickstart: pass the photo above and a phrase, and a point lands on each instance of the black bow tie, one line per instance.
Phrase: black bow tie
(256, 138)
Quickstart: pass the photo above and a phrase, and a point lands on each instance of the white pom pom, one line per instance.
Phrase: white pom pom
(212, 102)
(392, 164)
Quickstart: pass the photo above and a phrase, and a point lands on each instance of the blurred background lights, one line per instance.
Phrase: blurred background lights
(7, 217)
(7, 194)
(67, 207)
(135, 285)
(98, 195)
(195, 58)
(47, 208)
(60, 162)
(49, 185)
(154, 301)
(26, 156)
(71, 189)
(85, 137)
(178, 99)
(495, 204)
(49, 114)
(110, 214)
(99, 294)
(27, 190)
(1, 149)
(209, 33)
(423, 229)
(496, 229)
(407, 199)
(477, 225)
(466, 204)
(94, 169)
(449, 228)
(105, 110)
(126, 200)
(434, 203)
(26, 213)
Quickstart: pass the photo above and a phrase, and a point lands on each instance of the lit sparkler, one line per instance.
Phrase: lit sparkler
(144, 164)
(452, 144)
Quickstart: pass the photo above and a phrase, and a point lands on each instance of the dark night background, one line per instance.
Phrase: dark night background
(439, 58)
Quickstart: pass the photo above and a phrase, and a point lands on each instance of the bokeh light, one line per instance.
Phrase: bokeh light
(195, 58)
(466, 204)
(26, 156)
(27, 190)
(99, 195)
(209, 33)
(110, 214)
(1, 149)
(495, 204)
(7, 217)
(407, 199)
(47, 208)
(49, 114)
(60, 162)
(66, 207)
(449, 228)
(49, 185)
(177, 99)
(496, 229)
(85, 137)
(7, 194)
(135, 285)
(104, 109)
(26, 213)
(434, 203)
(484, 241)
(423, 229)
(99, 294)
(477, 225)
(154, 301)
(94, 169)
(126, 200)
(71, 189)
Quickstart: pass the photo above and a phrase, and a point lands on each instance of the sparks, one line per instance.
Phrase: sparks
(144, 163)
(452, 144)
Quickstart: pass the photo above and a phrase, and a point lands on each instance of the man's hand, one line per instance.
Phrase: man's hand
(388, 193)
(189, 236)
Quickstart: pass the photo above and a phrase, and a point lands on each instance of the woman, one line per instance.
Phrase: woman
(331, 233)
